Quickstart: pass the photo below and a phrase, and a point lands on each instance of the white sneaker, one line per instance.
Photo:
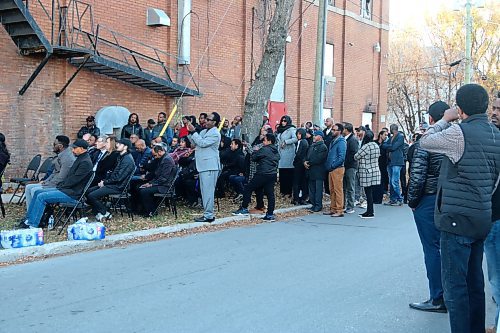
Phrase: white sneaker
(363, 205)
(107, 216)
(99, 217)
(349, 211)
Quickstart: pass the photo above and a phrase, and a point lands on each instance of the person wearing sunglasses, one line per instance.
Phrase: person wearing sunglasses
(207, 162)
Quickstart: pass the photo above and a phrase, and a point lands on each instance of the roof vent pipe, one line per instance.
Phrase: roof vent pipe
(184, 32)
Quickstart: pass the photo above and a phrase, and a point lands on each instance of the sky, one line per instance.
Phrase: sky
(404, 13)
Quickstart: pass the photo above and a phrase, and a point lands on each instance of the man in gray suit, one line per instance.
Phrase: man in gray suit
(207, 162)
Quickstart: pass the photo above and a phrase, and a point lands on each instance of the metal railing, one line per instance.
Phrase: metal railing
(76, 30)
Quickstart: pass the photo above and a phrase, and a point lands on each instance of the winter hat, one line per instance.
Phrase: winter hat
(472, 99)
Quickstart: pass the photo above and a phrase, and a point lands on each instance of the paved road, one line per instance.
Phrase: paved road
(308, 274)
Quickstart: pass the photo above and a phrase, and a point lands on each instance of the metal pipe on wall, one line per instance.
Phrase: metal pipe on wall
(184, 32)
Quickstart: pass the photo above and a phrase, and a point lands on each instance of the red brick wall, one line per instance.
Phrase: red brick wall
(31, 121)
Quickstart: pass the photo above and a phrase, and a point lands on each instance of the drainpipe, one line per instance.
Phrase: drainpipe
(184, 32)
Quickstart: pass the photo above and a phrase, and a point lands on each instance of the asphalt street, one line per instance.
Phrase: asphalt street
(308, 274)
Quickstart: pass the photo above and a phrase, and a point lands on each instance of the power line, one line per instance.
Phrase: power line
(453, 64)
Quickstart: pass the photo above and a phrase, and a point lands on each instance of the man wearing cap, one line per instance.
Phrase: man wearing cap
(115, 182)
(422, 189)
(69, 191)
(148, 132)
(468, 178)
(90, 128)
(335, 166)
(314, 164)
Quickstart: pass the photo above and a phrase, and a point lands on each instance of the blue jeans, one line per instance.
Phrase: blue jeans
(429, 237)
(40, 199)
(463, 282)
(395, 189)
(492, 251)
(238, 183)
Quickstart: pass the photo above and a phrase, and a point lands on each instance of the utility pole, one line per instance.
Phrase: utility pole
(468, 42)
(320, 60)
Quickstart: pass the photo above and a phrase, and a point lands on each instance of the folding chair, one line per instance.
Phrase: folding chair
(170, 195)
(80, 204)
(42, 170)
(1, 191)
(116, 199)
(32, 168)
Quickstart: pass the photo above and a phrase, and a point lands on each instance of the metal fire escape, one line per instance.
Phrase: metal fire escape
(74, 36)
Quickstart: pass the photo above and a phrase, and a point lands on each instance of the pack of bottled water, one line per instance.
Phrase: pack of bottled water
(13, 239)
(84, 230)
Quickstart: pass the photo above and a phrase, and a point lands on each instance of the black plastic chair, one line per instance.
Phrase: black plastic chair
(170, 195)
(80, 204)
(117, 199)
(42, 171)
(31, 169)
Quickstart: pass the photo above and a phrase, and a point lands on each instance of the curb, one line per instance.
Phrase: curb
(68, 247)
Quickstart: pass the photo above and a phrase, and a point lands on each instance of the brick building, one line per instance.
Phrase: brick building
(127, 61)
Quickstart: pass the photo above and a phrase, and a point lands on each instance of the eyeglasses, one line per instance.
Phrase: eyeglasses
(210, 119)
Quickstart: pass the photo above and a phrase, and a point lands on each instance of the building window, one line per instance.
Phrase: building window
(278, 93)
(331, 2)
(328, 68)
(366, 8)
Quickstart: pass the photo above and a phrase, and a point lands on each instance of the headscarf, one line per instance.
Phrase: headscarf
(280, 129)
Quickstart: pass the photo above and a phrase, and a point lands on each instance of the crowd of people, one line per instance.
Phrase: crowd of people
(447, 175)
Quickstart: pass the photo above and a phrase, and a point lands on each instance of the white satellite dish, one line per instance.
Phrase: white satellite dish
(111, 119)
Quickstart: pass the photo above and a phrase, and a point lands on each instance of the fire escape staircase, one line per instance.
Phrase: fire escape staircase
(90, 46)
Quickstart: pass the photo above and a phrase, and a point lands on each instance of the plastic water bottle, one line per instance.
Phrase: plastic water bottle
(51, 223)
(11, 239)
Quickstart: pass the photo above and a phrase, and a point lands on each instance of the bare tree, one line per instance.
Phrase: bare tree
(274, 50)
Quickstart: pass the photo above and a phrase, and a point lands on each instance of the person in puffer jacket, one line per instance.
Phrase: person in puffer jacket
(422, 189)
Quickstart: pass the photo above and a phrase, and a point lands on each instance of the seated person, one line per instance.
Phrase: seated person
(143, 155)
(108, 162)
(174, 145)
(69, 191)
(233, 160)
(184, 149)
(60, 168)
(163, 178)
(115, 181)
(97, 154)
(186, 183)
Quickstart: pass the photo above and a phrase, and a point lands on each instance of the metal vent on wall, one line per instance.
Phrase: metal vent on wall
(157, 17)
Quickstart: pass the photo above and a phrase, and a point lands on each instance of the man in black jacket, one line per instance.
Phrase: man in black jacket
(115, 182)
(351, 167)
(163, 180)
(91, 128)
(267, 159)
(69, 191)
(299, 172)
(422, 189)
(468, 176)
(328, 138)
(314, 163)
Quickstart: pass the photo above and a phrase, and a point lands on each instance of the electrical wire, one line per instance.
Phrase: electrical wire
(455, 63)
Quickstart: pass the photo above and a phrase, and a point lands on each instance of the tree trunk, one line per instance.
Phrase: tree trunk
(261, 88)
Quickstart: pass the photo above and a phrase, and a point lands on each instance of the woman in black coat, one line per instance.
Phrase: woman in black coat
(299, 171)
